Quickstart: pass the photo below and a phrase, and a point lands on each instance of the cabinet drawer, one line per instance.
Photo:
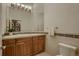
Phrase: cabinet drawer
(8, 42)
(41, 37)
(23, 39)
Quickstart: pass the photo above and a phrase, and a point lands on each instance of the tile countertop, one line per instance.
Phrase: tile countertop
(20, 36)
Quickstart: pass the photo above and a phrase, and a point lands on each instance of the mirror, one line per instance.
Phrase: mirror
(17, 14)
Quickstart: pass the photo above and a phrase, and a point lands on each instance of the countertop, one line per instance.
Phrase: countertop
(20, 36)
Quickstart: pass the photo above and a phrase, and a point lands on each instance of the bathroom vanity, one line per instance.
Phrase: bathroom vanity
(23, 44)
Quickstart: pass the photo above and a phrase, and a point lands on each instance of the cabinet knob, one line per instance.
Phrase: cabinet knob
(2, 47)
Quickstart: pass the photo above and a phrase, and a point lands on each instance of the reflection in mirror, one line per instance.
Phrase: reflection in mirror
(13, 25)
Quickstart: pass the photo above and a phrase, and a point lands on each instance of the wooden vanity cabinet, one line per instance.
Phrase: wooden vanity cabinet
(9, 47)
(26, 46)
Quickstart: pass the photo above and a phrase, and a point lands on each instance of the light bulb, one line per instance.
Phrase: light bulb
(22, 6)
(18, 4)
(26, 7)
(30, 7)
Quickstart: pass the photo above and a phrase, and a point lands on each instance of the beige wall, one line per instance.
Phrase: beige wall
(66, 18)
(38, 17)
(3, 18)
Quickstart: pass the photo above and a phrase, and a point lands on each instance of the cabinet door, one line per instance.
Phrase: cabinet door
(24, 46)
(41, 45)
(19, 49)
(9, 47)
(9, 51)
(35, 45)
(28, 46)
(38, 44)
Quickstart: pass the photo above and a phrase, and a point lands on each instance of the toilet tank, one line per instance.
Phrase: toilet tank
(67, 50)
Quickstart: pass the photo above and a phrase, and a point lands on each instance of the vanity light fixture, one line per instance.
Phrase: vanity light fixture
(21, 6)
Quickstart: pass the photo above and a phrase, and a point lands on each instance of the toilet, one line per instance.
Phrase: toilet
(67, 50)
